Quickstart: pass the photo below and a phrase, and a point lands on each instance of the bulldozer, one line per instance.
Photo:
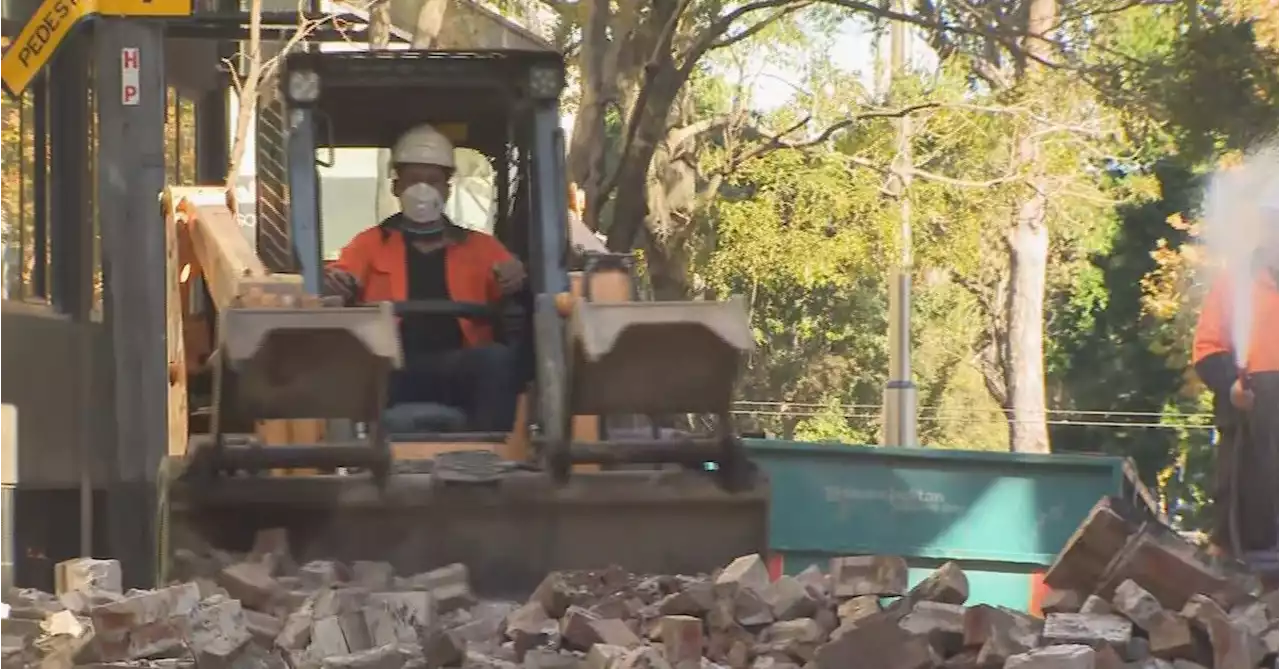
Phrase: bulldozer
(278, 404)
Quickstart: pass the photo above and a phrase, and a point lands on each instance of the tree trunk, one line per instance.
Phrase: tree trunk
(1028, 258)
(379, 25)
(380, 38)
(247, 98)
(1028, 242)
(586, 145)
(630, 208)
(426, 30)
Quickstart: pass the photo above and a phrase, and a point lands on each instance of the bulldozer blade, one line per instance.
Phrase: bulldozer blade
(510, 532)
(657, 357)
(304, 363)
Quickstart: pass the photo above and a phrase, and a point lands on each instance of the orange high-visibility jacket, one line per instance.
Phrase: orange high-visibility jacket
(376, 258)
(1212, 351)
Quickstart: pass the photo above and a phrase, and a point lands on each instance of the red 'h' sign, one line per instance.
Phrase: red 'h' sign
(130, 64)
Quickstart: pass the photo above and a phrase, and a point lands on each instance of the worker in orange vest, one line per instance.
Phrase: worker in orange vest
(1245, 399)
(419, 254)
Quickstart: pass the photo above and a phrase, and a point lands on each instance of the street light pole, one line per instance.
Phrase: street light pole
(900, 391)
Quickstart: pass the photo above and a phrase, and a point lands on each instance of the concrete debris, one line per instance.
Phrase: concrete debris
(87, 574)
(261, 610)
(868, 575)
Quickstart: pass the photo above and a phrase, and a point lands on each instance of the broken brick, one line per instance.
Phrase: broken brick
(143, 625)
(997, 634)
(817, 582)
(880, 575)
(604, 656)
(320, 574)
(789, 599)
(1086, 630)
(217, 628)
(942, 624)
(1096, 606)
(575, 627)
(249, 582)
(745, 573)
(682, 641)
(327, 638)
(1054, 657)
(857, 608)
(1168, 635)
(750, 609)
(382, 657)
(1233, 646)
(695, 600)
(1061, 601)
(87, 574)
(614, 632)
(876, 644)
(449, 586)
(946, 585)
(372, 575)
(797, 639)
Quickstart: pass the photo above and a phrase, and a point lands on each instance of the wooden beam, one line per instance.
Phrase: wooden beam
(174, 333)
(231, 267)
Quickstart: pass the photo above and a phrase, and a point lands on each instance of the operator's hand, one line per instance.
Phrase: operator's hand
(510, 275)
(341, 283)
(1241, 397)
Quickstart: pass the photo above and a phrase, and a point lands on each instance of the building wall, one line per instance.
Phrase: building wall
(41, 370)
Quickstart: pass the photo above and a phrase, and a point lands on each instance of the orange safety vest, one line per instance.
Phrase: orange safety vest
(1213, 329)
(376, 257)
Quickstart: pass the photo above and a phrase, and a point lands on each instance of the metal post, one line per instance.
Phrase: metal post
(900, 391)
(549, 231)
(211, 137)
(68, 175)
(129, 57)
(71, 224)
(304, 196)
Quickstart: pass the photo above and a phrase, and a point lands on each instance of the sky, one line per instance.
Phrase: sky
(854, 52)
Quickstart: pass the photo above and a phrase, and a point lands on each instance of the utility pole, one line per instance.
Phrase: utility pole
(900, 391)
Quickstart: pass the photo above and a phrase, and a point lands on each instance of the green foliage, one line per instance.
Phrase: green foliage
(1149, 96)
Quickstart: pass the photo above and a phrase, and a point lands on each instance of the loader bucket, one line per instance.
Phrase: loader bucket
(657, 357)
(510, 531)
(304, 363)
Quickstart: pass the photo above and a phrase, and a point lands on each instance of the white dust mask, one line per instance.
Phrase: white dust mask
(421, 204)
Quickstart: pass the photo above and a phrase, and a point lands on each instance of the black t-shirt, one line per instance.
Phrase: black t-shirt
(424, 334)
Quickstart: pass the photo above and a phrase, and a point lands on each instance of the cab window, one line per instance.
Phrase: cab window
(355, 194)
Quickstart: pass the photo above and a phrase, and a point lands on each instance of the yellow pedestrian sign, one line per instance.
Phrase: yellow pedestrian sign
(52, 22)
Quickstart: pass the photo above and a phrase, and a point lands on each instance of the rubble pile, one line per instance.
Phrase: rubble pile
(260, 611)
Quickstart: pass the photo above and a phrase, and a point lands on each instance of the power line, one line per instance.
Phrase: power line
(748, 405)
(978, 420)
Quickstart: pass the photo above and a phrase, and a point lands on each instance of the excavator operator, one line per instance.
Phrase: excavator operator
(1245, 401)
(419, 254)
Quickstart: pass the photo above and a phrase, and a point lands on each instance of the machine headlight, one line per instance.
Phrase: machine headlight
(544, 82)
(304, 86)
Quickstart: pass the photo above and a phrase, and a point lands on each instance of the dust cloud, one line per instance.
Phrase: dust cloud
(1239, 226)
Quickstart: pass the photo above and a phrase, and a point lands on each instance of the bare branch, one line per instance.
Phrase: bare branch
(931, 176)
(779, 141)
(719, 27)
(1006, 37)
(661, 55)
(258, 71)
(755, 28)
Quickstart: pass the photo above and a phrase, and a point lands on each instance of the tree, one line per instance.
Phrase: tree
(637, 58)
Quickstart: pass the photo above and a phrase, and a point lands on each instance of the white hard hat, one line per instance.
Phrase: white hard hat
(423, 145)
